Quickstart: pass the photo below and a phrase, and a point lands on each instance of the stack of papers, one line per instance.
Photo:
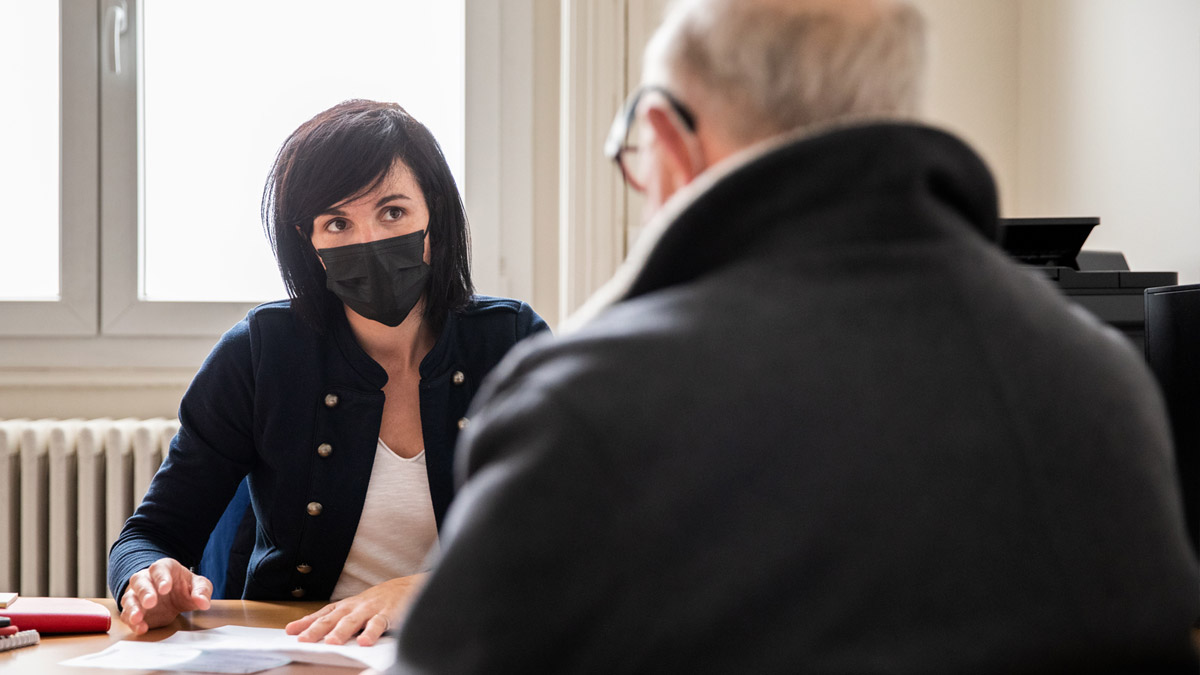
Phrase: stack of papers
(236, 649)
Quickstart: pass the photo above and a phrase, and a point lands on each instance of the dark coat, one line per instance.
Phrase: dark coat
(829, 427)
(269, 395)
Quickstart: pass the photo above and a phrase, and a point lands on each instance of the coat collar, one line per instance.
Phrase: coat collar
(736, 202)
(436, 362)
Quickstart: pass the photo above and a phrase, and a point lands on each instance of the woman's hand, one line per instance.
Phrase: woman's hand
(372, 612)
(157, 594)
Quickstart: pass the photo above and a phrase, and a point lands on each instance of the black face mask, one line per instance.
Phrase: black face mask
(381, 280)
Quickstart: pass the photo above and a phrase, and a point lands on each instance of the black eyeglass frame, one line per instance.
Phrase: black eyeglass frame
(615, 145)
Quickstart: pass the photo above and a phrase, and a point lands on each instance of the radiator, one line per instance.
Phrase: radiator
(69, 486)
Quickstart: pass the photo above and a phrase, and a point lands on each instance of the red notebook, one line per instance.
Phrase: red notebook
(58, 615)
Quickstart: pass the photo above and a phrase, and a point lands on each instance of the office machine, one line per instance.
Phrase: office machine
(1100, 281)
(1173, 350)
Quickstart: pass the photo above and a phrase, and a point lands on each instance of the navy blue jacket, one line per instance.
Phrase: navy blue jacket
(269, 396)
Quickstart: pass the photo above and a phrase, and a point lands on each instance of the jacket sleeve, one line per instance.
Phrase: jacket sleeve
(209, 456)
(522, 566)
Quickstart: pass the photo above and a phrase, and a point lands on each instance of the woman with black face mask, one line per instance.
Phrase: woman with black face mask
(339, 407)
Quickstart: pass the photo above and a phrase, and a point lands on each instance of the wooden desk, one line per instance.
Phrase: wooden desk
(45, 657)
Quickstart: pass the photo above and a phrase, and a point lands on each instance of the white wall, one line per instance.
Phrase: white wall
(972, 87)
(1082, 108)
(1110, 124)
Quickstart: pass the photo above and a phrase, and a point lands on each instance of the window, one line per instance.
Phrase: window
(50, 176)
(139, 200)
(214, 116)
(201, 104)
(29, 186)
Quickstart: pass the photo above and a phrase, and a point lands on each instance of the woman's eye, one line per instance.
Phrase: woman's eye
(335, 225)
(394, 212)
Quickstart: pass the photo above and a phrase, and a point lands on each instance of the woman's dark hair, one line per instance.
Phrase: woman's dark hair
(344, 153)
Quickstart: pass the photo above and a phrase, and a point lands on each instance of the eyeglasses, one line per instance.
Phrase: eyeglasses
(620, 145)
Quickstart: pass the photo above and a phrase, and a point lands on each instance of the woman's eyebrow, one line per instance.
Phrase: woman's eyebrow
(334, 211)
(384, 200)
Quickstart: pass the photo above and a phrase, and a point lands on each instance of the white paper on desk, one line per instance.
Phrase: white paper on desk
(155, 656)
(244, 638)
(238, 641)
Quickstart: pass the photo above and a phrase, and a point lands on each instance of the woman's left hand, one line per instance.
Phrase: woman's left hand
(373, 612)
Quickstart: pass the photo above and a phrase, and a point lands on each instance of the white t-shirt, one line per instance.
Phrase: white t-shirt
(397, 530)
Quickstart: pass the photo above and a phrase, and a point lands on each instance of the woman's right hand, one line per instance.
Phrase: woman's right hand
(157, 594)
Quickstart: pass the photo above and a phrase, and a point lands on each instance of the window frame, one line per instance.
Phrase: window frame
(123, 312)
(75, 312)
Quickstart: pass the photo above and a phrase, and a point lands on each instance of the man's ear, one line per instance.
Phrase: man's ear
(678, 148)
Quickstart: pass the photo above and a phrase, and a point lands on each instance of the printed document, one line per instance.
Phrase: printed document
(236, 649)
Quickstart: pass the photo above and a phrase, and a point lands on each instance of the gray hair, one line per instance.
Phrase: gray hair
(766, 67)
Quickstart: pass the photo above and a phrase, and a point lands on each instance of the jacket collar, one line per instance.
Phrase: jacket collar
(781, 181)
(437, 361)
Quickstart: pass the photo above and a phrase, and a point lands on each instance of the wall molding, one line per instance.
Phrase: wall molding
(90, 393)
(95, 378)
(591, 192)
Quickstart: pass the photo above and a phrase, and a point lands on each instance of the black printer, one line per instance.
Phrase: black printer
(1100, 281)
